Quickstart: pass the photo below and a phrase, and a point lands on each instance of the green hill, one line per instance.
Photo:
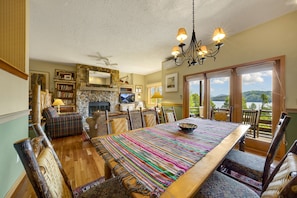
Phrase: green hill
(250, 96)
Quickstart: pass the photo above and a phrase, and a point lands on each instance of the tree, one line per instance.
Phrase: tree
(253, 106)
(194, 100)
(194, 104)
(244, 106)
(226, 103)
(264, 98)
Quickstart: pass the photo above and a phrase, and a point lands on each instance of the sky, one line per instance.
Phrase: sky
(261, 81)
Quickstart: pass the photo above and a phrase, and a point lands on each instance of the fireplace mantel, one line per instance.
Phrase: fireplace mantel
(99, 88)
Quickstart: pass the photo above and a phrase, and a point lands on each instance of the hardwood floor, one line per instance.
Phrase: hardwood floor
(79, 159)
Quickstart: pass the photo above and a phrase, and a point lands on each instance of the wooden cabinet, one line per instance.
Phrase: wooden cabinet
(65, 89)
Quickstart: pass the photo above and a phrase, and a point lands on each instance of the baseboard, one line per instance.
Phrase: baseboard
(15, 185)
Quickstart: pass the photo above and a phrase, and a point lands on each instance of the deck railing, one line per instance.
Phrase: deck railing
(265, 123)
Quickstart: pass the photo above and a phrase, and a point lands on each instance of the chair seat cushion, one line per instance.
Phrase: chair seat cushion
(220, 185)
(245, 163)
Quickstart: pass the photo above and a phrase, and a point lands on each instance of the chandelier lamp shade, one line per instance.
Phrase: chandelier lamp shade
(196, 53)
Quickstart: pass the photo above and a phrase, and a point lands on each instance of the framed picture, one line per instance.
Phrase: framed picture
(67, 77)
(171, 82)
(138, 88)
(39, 78)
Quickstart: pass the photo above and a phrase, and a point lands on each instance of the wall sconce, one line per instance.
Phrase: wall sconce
(58, 102)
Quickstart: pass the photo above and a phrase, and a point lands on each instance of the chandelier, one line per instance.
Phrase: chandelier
(196, 53)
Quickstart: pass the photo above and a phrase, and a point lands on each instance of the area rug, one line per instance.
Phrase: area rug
(254, 185)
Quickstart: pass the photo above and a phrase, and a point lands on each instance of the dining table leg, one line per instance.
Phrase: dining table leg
(242, 144)
(107, 171)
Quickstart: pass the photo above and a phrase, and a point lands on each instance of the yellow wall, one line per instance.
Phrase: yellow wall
(272, 39)
(14, 22)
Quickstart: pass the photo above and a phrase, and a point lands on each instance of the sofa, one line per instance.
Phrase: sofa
(61, 125)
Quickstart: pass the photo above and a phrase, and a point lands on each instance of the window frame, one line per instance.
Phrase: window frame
(158, 87)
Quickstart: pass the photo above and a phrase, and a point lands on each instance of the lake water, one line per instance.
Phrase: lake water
(219, 104)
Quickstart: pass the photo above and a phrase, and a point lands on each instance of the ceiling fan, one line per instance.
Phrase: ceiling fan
(105, 59)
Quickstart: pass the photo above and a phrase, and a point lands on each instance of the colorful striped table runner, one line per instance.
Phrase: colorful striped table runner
(157, 156)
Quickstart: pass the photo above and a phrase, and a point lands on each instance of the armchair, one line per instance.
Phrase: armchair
(59, 125)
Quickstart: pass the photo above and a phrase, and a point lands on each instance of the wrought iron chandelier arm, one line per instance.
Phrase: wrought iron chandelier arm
(196, 53)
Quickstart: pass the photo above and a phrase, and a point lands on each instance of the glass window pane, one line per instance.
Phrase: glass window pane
(220, 92)
(195, 97)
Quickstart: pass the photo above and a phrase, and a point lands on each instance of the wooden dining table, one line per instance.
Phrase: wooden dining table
(164, 161)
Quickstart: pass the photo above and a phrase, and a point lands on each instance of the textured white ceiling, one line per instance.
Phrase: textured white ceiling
(138, 34)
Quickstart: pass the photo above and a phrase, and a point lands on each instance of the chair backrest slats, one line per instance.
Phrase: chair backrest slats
(169, 114)
(222, 114)
(283, 180)
(117, 125)
(43, 171)
(251, 117)
(277, 138)
(149, 117)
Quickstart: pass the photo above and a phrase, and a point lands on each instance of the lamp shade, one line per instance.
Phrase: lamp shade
(218, 34)
(58, 102)
(157, 95)
(181, 35)
(175, 51)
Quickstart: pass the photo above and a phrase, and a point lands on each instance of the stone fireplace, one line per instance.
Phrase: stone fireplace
(98, 106)
(88, 93)
(84, 97)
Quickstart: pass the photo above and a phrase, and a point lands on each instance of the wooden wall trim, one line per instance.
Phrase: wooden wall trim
(171, 104)
(291, 110)
(12, 116)
(13, 70)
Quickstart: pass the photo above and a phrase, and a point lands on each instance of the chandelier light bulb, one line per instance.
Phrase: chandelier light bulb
(202, 50)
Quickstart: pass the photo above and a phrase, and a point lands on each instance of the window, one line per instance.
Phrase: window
(196, 87)
(219, 89)
(151, 89)
(233, 82)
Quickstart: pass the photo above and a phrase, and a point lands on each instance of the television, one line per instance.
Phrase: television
(127, 97)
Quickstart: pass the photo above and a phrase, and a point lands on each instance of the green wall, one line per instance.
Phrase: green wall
(11, 166)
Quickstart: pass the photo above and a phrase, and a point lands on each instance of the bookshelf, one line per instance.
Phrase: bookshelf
(65, 89)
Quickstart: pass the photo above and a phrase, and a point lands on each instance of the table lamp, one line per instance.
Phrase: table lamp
(157, 95)
(58, 102)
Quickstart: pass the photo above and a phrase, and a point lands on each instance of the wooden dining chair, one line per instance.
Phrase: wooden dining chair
(251, 117)
(222, 114)
(135, 118)
(150, 117)
(281, 183)
(254, 166)
(169, 114)
(117, 125)
(48, 177)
